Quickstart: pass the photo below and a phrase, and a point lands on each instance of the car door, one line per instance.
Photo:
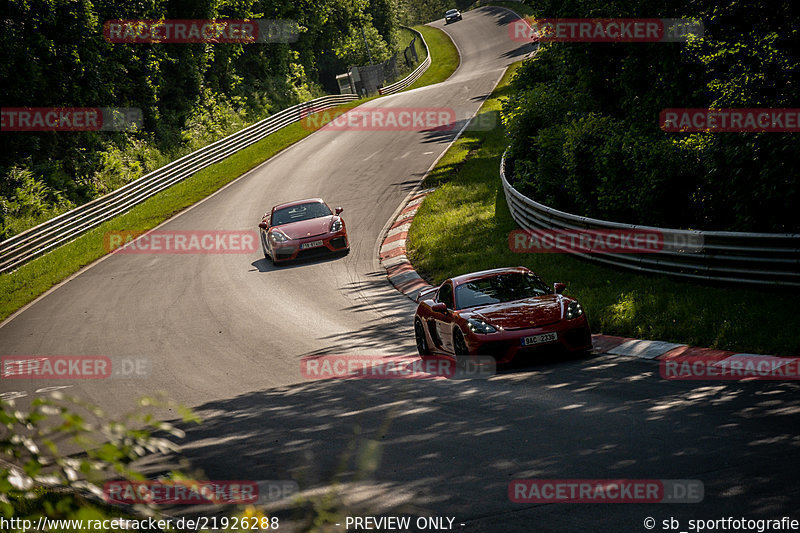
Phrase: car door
(444, 321)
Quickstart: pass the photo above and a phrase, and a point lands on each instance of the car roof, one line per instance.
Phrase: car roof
(299, 202)
(452, 10)
(472, 276)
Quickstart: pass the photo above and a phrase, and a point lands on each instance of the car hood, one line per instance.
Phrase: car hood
(520, 314)
(307, 228)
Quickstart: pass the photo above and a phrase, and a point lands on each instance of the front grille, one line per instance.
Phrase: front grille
(537, 350)
(312, 252)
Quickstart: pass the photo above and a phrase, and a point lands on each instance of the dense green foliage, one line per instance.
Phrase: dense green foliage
(190, 94)
(584, 118)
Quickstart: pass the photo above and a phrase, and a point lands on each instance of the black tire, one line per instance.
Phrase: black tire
(272, 260)
(460, 346)
(461, 349)
(421, 339)
(264, 249)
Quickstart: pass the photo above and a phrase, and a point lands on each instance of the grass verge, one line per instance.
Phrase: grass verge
(463, 226)
(444, 56)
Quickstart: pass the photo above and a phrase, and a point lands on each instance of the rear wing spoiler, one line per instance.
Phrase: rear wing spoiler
(426, 292)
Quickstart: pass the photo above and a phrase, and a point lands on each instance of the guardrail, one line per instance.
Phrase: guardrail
(759, 259)
(415, 74)
(59, 230)
(37, 241)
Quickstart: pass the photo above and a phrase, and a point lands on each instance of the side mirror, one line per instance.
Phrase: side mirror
(338, 210)
(439, 307)
(559, 287)
(263, 225)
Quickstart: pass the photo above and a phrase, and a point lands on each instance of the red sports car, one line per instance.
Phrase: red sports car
(506, 313)
(303, 228)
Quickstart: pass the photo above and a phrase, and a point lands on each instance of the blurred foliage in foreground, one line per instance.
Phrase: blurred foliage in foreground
(37, 478)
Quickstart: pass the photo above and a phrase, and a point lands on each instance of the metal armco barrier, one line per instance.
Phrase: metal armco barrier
(758, 259)
(411, 78)
(49, 235)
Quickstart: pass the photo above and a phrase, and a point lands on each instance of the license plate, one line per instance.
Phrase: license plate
(312, 244)
(540, 339)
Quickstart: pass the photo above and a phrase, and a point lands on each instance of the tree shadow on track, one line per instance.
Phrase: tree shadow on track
(453, 446)
(523, 50)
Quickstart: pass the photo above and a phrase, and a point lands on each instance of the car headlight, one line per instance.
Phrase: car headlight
(277, 236)
(336, 225)
(476, 325)
(574, 310)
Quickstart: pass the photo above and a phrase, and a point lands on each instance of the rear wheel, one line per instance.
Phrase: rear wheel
(421, 338)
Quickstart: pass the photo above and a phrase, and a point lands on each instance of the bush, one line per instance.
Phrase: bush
(584, 131)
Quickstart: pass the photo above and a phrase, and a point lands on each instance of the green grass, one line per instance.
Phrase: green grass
(464, 225)
(444, 57)
(34, 278)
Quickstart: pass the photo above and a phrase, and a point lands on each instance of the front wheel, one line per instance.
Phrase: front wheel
(422, 340)
(264, 248)
(460, 346)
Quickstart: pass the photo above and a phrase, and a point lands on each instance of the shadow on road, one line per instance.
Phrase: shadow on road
(452, 447)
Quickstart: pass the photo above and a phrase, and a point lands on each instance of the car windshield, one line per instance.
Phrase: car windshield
(451, 12)
(498, 289)
(296, 213)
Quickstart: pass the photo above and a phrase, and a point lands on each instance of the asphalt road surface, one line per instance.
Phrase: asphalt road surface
(224, 334)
